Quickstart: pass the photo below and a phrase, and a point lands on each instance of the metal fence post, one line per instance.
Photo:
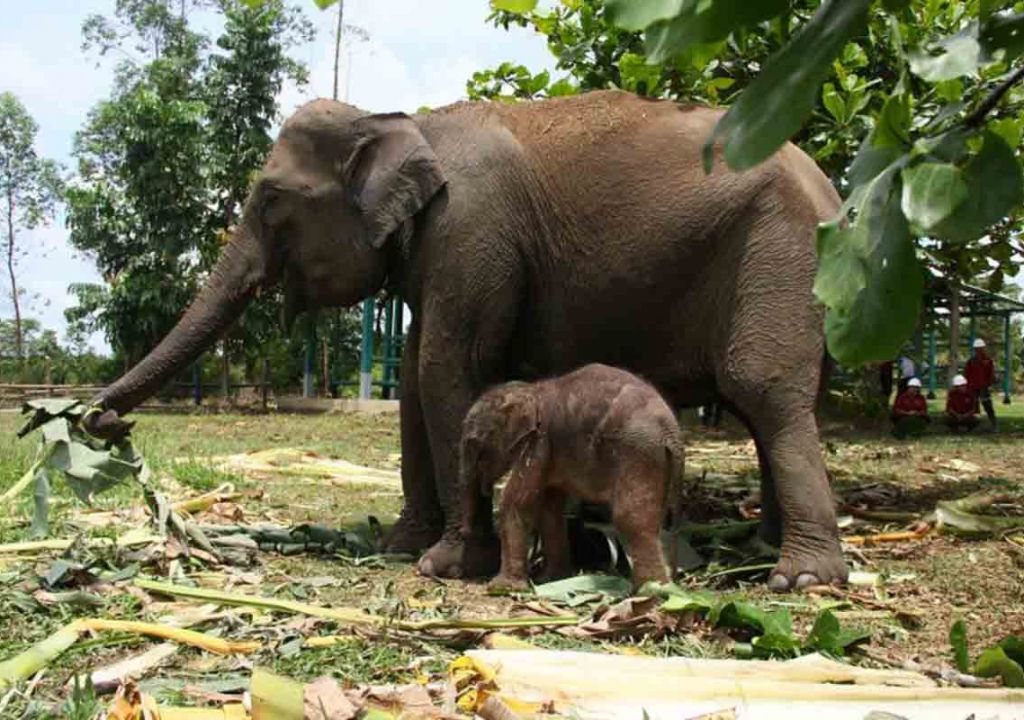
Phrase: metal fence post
(307, 375)
(366, 360)
(931, 361)
(1007, 358)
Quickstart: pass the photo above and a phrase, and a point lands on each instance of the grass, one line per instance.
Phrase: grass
(940, 579)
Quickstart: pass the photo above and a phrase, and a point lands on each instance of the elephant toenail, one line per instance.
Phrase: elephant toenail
(778, 583)
(807, 580)
(426, 567)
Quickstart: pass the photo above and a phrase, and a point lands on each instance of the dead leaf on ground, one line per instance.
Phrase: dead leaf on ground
(324, 699)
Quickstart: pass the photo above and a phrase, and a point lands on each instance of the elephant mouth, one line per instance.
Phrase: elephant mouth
(295, 301)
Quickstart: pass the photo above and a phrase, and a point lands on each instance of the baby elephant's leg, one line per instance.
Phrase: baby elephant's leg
(519, 512)
(638, 509)
(554, 534)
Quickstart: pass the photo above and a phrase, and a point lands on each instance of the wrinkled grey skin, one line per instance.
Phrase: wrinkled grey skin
(598, 434)
(529, 240)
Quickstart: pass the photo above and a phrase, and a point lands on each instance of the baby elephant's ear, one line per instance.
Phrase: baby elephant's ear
(522, 417)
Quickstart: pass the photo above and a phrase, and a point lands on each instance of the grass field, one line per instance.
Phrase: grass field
(925, 584)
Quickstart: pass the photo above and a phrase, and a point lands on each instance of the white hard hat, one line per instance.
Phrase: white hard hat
(959, 380)
(979, 343)
(914, 382)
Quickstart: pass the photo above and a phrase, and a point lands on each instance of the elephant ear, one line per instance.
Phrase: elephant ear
(393, 173)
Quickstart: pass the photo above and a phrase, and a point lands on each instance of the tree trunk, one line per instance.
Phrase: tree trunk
(18, 349)
(337, 45)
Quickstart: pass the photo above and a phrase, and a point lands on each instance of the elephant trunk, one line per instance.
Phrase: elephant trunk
(241, 270)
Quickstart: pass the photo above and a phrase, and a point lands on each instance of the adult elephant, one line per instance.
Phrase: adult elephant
(530, 239)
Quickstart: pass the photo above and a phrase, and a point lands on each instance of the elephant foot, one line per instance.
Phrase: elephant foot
(802, 567)
(454, 557)
(509, 583)
(410, 535)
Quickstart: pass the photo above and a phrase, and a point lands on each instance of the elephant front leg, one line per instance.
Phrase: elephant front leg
(467, 549)
(421, 521)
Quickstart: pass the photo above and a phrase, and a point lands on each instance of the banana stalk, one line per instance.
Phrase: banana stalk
(351, 616)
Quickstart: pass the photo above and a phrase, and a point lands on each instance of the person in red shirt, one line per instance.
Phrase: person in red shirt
(981, 373)
(961, 407)
(910, 411)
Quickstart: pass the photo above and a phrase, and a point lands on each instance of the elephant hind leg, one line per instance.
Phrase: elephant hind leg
(769, 370)
(794, 472)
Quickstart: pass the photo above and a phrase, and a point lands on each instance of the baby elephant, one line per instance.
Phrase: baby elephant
(599, 434)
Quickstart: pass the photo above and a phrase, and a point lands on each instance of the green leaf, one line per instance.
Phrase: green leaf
(842, 270)
(684, 602)
(834, 103)
(1006, 33)
(638, 76)
(584, 587)
(638, 14)
(953, 57)
(1011, 130)
(958, 641)
(870, 325)
(517, 7)
(895, 6)
(1013, 646)
(824, 635)
(705, 21)
(931, 193)
(995, 188)
(994, 662)
(322, 4)
(562, 88)
(774, 106)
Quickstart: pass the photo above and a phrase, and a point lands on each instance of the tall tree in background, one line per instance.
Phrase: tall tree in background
(165, 164)
(30, 187)
(140, 205)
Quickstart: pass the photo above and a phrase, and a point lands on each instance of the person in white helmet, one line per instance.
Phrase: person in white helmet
(907, 371)
(980, 372)
(910, 411)
(961, 408)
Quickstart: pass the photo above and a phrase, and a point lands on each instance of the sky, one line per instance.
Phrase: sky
(414, 57)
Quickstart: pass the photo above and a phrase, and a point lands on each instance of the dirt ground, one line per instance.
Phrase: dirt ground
(922, 586)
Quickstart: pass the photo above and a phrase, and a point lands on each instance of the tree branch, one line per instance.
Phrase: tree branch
(977, 117)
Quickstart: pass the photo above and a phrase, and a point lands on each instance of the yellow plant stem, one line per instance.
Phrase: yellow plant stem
(224, 493)
(29, 662)
(212, 644)
(350, 616)
(23, 482)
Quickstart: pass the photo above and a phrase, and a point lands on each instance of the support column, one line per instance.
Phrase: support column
(1007, 359)
(931, 361)
(389, 345)
(308, 389)
(973, 335)
(366, 361)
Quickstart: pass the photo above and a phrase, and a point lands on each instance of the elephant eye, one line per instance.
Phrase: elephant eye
(273, 206)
